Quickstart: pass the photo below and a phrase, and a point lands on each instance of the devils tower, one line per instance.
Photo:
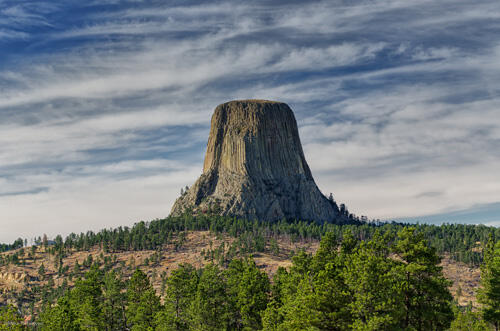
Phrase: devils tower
(255, 168)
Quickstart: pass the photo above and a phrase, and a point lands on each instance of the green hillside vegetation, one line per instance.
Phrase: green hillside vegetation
(461, 241)
(489, 294)
(363, 277)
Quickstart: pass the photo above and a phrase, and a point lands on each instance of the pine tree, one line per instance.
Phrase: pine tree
(209, 310)
(489, 295)
(41, 271)
(10, 319)
(468, 321)
(143, 304)
(59, 317)
(273, 316)
(369, 274)
(86, 300)
(314, 293)
(427, 300)
(179, 295)
(114, 301)
(248, 288)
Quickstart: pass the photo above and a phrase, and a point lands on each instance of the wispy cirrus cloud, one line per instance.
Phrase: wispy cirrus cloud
(105, 105)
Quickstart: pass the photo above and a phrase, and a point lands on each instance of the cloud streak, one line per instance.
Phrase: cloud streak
(104, 114)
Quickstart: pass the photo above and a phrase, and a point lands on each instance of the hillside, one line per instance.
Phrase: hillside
(144, 266)
(23, 280)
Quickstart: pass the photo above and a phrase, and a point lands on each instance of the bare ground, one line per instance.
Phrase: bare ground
(15, 278)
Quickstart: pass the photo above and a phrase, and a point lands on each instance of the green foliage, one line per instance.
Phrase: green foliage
(489, 295)
(143, 303)
(85, 301)
(363, 277)
(97, 302)
(18, 243)
(275, 249)
(180, 293)
(427, 300)
(10, 319)
(459, 240)
(468, 321)
(41, 271)
(320, 302)
(248, 289)
(357, 285)
(114, 301)
(210, 308)
(373, 282)
(315, 294)
(59, 317)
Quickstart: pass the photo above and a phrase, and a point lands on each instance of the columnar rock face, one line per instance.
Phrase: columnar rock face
(255, 167)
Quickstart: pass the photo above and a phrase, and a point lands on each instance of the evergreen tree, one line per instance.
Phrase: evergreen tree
(273, 316)
(248, 288)
(59, 317)
(41, 271)
(143, 303)
(10, 319)
(369, 274)
(489, 295)
(86, 299)
(319, 303)
(358, 279)
(427, 300)
(468, 321)
(210, 308)
(314, 293)
(114, 301)
(180, 293)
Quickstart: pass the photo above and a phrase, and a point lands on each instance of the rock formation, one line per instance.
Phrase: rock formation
(255, 168)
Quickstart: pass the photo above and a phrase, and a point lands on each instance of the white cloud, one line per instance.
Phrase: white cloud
(394, 99)
(390, 195)
(66, 141)
(77, 204)
(420, 146)
(11, 34)
(321, 58)
(493, 223)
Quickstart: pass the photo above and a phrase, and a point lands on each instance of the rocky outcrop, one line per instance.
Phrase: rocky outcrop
(13, 277)
(255, 168)
(13, 280)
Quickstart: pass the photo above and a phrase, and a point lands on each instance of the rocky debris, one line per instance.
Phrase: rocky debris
(13, 280)
(255, 168)
(13, 277)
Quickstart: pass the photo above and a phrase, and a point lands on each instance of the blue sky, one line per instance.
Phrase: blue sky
(105, 105)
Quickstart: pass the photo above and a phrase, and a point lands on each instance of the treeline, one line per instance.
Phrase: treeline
(18, 243)
(462, 242)
(389, 282)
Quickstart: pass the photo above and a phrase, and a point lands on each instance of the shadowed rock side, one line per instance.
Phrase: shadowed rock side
(255, 167)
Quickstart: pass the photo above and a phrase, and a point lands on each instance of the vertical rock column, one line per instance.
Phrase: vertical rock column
(255, 167)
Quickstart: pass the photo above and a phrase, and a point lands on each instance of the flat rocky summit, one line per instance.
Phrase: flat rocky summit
(255, 168)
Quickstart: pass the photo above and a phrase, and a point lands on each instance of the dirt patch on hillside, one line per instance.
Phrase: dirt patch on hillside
(15, 278)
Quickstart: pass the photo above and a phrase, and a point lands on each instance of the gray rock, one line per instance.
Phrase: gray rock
(255, 168)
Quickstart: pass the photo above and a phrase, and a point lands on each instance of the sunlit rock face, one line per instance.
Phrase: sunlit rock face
(255, 167)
